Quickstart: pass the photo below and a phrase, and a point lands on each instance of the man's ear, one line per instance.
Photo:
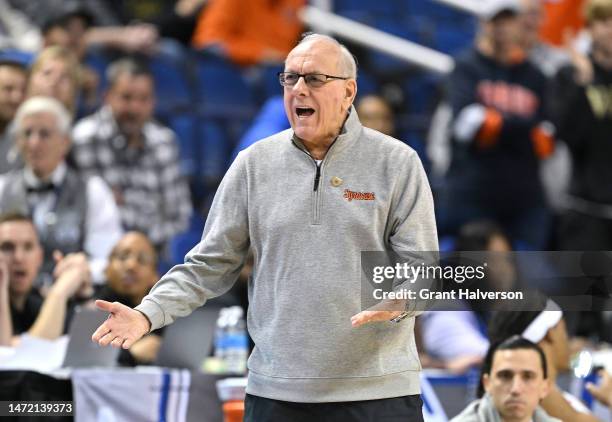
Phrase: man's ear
(351, 90)
(545, 389)
(549, 337)
(486, 382)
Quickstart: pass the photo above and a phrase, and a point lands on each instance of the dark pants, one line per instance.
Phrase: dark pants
(397, 409)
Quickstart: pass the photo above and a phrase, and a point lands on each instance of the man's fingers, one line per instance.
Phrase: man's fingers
(117, 342)
(101, 331)
(128, 343)
(366, 317)
(361, 318)
(106, 339)
(103, 305)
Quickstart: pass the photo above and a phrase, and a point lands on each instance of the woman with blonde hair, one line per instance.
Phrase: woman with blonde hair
(56, 73)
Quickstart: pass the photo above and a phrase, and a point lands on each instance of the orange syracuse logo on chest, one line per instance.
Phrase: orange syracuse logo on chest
(349, 195)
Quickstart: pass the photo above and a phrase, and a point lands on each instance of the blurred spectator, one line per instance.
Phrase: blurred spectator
(546, 57)
(130, 274)
(137, 156)
(499, 134)
(541, 321)
(270, 120)
(560, 17)
(456, 338)
(583, 111)
(548, 60)
(55, 73)
(516, 381)
(71, 213)
(68, 31)
(602, 391)
(21, 257)
(256, 31)
(173, 19)
(555, 171)
(17, 31)
(68, 27)
(106, 31)
(13, 77)
(376, 113)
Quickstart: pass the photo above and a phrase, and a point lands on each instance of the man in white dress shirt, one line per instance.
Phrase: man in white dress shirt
(72, 214)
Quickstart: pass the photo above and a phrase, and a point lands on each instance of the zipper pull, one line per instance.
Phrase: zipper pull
(317, 177)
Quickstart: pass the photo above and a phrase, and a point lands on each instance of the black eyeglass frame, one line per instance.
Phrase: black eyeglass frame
(328, 78)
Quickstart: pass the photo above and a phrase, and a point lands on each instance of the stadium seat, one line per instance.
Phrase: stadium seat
(221, 88)
(172, 83)
(184, 125)
(184, 242)
(214, 151)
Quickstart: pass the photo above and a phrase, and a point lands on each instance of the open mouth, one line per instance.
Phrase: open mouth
(304, 111)
(129, 279)
(18, 274)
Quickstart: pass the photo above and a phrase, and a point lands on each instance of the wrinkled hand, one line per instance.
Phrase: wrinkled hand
(383, 311)
(123, 327)
(603, 391)
(72, 275)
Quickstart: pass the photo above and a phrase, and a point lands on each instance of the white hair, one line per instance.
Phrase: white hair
(348, 63)
(36, 105)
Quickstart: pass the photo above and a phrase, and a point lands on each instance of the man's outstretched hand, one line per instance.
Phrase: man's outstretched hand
(383, 311)
(123, 327)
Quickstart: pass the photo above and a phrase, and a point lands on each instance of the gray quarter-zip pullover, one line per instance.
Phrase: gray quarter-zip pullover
(307, 226)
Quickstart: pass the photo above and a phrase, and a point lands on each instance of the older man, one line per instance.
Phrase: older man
(136, 156)
(286, 197)
(515, 384)
(71, 213)
(22, 308)
(13, 78)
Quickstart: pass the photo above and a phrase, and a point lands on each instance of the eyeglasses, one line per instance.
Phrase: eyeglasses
(313, 80)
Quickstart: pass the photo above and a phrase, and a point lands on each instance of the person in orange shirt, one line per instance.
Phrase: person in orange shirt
(559, 17)
(250, 32)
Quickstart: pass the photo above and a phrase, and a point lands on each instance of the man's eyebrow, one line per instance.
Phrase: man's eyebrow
(512, 371)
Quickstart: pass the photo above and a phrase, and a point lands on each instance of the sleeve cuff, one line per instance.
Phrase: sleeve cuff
(543, 140)
(491, 128)
(153, 312)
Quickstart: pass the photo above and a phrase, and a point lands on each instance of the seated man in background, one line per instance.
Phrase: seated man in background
(135, 155)
(130, 274)
(541, 321)
(71, 213)
(515, 383)
(22, 308)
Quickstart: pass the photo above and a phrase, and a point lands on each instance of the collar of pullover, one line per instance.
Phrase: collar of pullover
(348, 135)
